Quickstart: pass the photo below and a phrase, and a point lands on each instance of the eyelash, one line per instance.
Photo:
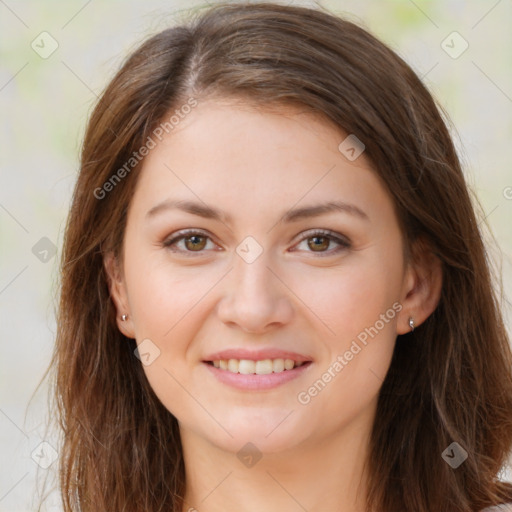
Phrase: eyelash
(343, 242)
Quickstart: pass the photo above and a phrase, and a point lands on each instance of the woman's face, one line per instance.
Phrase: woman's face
(292, 250)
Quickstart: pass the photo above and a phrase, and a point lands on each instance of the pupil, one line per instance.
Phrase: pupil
(319, 245)
(194, 242)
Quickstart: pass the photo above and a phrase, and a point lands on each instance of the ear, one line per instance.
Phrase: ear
(117, 287)
(422, 286)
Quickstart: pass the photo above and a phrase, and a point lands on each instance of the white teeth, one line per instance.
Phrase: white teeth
(278, 365)
(262, 367)
(246, 367)
(288, 364)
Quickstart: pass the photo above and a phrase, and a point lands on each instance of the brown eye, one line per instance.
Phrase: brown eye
(318, 243)
(189, 242)
(195, 242)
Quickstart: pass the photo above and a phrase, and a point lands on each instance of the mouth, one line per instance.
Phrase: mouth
(257, 367)
(247, 369)
(253, 375)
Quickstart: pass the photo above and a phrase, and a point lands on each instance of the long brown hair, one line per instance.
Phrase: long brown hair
(449, 381)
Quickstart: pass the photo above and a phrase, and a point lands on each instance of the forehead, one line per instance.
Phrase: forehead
(251, 158)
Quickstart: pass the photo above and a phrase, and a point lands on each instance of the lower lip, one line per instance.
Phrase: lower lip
(257, 382)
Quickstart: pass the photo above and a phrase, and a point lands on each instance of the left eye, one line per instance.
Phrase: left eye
(319, 242)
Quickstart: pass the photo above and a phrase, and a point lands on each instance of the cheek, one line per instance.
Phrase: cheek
(169, 307)
(164, 296)
(358, 302)
(349, 298)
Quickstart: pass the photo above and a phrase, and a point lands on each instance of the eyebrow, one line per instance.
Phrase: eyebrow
(208, 212)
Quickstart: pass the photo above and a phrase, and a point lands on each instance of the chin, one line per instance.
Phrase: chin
(268, 434)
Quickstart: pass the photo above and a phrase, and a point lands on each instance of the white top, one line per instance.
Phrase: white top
(499, 508)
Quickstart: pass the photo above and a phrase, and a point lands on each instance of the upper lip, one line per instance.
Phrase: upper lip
(256, 355)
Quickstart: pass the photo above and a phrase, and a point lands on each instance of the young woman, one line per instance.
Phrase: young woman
(275, 294)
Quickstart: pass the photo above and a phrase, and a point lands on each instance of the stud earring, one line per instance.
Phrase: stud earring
(124, 317)
(411, 323)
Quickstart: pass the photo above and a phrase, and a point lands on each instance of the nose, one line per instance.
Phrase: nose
(255, 300)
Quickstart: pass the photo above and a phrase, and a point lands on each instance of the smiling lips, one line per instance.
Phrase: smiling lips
(255, 381)
(261, 362)
(260, 367)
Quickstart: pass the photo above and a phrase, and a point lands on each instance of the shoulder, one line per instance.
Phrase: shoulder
(505, 507)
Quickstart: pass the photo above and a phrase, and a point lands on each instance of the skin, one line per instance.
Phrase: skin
(297, 295)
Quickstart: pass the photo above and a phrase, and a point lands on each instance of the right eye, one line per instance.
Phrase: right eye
(192, 241)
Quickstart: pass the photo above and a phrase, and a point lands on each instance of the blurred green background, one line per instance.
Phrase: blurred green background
(45, 100)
